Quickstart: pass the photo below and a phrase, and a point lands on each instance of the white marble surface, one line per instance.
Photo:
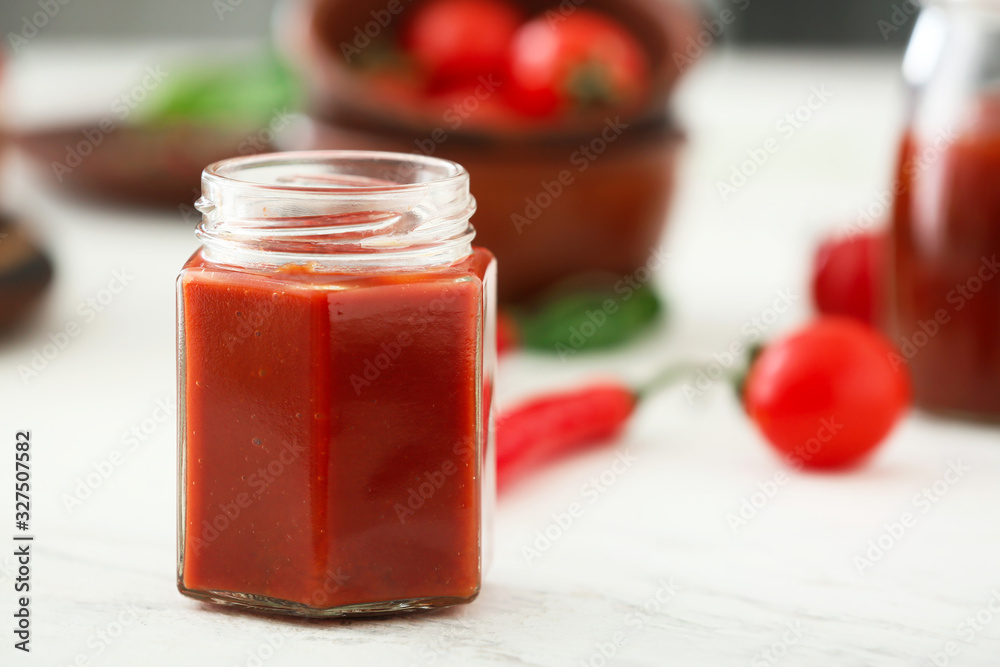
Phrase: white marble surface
(653, 562)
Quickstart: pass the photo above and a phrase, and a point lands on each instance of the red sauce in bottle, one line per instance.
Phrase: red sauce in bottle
(946, 229)
(332, 435)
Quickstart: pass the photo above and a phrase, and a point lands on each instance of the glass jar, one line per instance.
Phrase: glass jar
(336, 341)
(946, 220)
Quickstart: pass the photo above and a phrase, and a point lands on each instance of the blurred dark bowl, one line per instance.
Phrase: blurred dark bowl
(608, 218)
(25, 274)
(135, 165)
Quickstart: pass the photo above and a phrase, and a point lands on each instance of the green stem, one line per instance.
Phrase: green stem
(668, 377)
(674, 374)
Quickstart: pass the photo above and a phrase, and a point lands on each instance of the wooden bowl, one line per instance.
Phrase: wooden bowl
(545, 209)
(25, 274)
(133, 165)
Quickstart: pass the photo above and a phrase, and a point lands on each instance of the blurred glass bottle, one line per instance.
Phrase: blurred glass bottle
(946, 222)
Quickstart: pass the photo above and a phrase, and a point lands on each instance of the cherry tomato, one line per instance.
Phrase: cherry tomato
(458, 40)
(580, 60)
(849, 275)
(827, 395)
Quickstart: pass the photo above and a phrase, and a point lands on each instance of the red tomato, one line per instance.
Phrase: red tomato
(457, 40)
(569, 62)
(828, 395)
(849, 275)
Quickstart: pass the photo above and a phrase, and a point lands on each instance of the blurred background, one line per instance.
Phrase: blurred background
(844, 24)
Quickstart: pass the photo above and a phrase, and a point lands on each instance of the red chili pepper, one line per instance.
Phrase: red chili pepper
(790, 390)
(549, 427)
(552, 426)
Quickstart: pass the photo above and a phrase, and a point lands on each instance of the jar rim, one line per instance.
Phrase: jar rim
(338, 209)
(227, 172)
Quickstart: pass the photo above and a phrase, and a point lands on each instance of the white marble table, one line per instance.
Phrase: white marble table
(651, 573)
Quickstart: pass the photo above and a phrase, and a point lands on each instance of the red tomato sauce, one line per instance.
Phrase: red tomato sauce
(332, 432)
(947, 243)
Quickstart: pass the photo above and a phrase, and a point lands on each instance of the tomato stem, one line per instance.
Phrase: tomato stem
(739, 380)
(672, 375)
(668, 377)
(591, 86)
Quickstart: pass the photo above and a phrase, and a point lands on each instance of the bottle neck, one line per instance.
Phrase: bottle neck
(336, 211)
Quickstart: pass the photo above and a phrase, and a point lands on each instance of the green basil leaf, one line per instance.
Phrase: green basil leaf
(232, 94)
(588, 320)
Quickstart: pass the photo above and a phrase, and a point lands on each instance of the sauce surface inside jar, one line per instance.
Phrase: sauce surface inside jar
(946, 229)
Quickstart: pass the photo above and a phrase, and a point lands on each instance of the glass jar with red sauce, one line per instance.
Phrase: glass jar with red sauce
(946, 220)
(336, 339)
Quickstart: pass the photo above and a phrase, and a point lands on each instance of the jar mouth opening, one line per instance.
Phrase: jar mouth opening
(333, 173)
(339, 209)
